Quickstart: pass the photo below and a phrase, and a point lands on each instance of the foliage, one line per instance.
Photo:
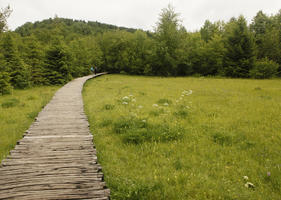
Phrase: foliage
(264, 68)
(33, 57)
(67, 28)
(9, 103)
(4, 14)
(57, 64)
(240, 49)
(85, 53)
(5, 87)
(55, 50)
(14, 65)
(209, 30)
(138, 131)
(267, 33)
(168, 37)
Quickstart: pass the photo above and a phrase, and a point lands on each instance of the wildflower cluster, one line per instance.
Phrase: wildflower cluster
(183, 94)
(248, 184)
(127, 99)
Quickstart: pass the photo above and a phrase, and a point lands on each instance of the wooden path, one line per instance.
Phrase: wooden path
(56, 158)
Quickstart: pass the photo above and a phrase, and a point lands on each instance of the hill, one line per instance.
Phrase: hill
(66, 27)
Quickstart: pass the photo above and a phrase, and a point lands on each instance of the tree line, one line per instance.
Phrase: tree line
(57, 50)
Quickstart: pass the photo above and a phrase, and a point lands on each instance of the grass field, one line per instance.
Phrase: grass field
(17, 112)
(187, 138)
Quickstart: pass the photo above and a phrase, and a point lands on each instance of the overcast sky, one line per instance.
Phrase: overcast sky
(136, 13)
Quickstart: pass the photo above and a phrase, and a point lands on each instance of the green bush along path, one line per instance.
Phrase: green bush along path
(187, 138)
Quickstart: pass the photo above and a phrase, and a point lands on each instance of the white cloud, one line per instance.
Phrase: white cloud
(136, 13)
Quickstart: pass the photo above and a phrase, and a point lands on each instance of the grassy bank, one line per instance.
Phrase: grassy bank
(187, 138)
(17, 112)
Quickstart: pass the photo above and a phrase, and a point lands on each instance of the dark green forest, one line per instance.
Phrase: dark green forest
(56, 50)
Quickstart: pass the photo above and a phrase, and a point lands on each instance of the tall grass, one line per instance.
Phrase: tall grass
(17, 111)
(187, 138)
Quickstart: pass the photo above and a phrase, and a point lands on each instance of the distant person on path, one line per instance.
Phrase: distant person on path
(95, 70)
(92, 69)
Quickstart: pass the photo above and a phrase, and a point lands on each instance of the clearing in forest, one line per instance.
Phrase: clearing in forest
(187, 138)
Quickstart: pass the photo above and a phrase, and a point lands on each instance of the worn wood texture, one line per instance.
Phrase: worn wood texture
(56, 158)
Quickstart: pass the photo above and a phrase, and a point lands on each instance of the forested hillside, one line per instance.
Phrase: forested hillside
(56, 50)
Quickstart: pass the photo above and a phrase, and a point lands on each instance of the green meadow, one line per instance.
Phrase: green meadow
(187, 138)
(17, 112)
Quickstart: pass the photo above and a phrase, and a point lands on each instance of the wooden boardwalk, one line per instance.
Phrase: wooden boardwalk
(56, 158)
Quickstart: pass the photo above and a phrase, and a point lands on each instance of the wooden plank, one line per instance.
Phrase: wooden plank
(51, 152)
(46, 168)
(6, 177)
(58, 194)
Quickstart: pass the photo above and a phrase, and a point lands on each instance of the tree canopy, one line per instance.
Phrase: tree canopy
(55, 50)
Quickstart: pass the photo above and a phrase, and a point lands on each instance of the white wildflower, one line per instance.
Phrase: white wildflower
(177, 101)
(155, 105)
(246, 178)
(140, 106)
(187, 107)
(125, 103)
(249, 185)
(125, 98)
(188, 93)
(144, 121)
(182, 95)
(131, 95)
(181, 98)
(166, 104)
(134, 100)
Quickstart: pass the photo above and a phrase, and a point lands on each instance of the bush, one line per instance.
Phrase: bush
(264, 68)
(108, 107)
(5, 87)
(125, 124)
(181, 113)
(137, 131)
(10, 103)
(163, 101)
(132, 189)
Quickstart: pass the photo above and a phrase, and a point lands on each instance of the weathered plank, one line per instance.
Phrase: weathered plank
(56, 158)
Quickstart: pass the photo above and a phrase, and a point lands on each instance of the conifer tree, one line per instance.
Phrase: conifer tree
(15, 67)
(57, 64)
(240, 47)
(33, 56)
(4, 14)
(5, 86)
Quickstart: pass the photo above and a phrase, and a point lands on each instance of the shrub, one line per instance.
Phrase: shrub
(223, 139)
(108, 107)
(32, 115)
(228, 138)
(163, 101)
(181, 113)
(157, 112)
(264, 68)
(10, 103)
(5, 87)
(124, 124)
(132, 189)
(105, 123)
(137, 131)
(31, 98)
